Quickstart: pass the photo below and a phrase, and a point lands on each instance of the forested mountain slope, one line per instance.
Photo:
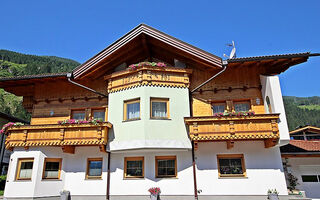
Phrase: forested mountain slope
(18, 64)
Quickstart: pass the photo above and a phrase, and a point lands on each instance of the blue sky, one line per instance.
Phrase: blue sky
(80, 29)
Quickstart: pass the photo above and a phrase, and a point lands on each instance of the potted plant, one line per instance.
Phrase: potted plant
(273, 194)
(154, 193)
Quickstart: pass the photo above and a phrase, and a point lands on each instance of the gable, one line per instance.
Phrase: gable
(144, 43)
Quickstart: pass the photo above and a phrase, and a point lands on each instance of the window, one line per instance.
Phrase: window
(218, 108)
(166, 166)
(310, 178)
(241, 106)
(78, 114)
(98, 114)
(94, 168)
(134, 167)
(24, 171)
(132, 109)
(159, 108)
(231, 165)
(52, 168)
(268, 104)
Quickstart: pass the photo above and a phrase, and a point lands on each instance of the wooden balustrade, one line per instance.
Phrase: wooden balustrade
(66, 136)
(231, 128)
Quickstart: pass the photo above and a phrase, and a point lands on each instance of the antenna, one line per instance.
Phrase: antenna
(233, 51)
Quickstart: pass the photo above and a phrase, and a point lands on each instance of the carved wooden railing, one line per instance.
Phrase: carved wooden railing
(231, 128)
(67, 136)
(148, 75)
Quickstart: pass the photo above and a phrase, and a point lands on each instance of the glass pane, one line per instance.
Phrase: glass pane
(230, 166)
(78, 115)
(309, 178)
(159, 109)
(26, 170)
(134, 168)
(298, 137)
(218, 108)
(133, 110)
(313, 137)
(241, 107)
(166, 168)
(100, 115)
(51, 170)
(95, 168)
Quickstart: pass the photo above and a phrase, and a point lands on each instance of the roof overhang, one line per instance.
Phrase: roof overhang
(311, 129)
(147, 35)
(272, 64)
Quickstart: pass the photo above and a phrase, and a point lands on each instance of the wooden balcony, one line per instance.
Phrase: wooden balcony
(234, 128)
(66, 136)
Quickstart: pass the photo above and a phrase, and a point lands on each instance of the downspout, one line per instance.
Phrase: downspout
(70, 76)
(224, 67)
(225, 63)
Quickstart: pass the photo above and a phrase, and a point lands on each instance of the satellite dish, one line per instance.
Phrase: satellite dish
(233, 51)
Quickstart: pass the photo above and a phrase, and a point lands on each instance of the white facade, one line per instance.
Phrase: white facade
(271, 88)
(72, 173)
(305, 166)
(263, 167)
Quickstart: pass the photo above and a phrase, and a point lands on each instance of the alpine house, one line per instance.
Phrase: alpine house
(152, 111)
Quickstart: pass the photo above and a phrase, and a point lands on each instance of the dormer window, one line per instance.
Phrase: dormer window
(132, 109)
(159, 108)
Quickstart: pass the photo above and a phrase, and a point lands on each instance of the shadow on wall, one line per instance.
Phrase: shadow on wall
(256, 156)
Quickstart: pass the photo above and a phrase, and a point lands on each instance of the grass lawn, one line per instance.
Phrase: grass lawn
(1, 192)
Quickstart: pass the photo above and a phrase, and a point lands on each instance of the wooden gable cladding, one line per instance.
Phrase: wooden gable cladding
(232, 128)
(235, 84)
(148, 75)
(66, 136)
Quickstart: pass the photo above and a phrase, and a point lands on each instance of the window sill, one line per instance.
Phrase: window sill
(232, 177)
(23, 180)
(53, 179)
(172, 177)
(93, 178)
(130, 120)
(154, 118)
(133, 178)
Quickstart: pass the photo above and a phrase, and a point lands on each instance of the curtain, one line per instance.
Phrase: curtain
(26, 170)
(133, 110)
(95, 168)
(159, 109)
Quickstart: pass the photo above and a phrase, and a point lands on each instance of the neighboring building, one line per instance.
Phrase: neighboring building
(4, 153)
(162, 124)
(301, 158)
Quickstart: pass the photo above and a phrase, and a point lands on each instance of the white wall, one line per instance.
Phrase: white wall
(149, 133)
(263, 166)
(182, 185)
(271, 88)
(72, 173)
(305, 166)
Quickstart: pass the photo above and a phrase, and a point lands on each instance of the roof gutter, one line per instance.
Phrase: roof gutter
(224, 67)
(70, 76)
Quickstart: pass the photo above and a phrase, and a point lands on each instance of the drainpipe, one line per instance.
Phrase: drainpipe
(70, 76)
(108, 178)
(224, 65)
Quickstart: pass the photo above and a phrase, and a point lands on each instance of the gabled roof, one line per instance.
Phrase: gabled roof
(12, 118)
(308, 128)
(147, 31)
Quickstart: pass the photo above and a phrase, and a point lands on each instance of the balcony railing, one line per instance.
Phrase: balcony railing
(231, 128)
(67, 136)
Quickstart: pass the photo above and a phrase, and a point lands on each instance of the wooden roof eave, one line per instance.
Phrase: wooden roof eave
(144, 29)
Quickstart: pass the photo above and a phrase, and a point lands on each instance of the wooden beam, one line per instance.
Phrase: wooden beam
(103, 148)
(270, 143)
(68, 149)
(230, 144)
(146, 47)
